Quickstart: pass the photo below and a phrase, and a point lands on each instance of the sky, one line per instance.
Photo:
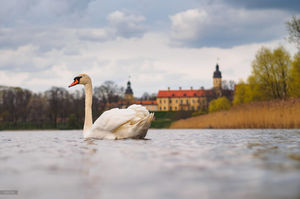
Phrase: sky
(158, 44)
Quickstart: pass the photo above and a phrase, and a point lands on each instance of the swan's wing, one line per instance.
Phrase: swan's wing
(114, 118)
(140, 110)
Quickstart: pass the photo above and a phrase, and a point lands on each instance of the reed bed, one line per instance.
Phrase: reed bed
(268, 114)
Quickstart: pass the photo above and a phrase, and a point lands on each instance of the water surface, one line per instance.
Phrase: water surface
(169, 164)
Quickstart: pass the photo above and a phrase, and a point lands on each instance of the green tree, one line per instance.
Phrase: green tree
(294, 82)
(269, 78)
(241, 93)
(219, 104)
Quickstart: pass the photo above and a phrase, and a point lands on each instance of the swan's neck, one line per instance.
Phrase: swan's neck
(88, 121)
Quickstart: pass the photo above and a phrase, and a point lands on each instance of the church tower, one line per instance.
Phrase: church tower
(128, 93)
(217, 78)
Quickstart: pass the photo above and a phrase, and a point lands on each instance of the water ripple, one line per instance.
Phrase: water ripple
(168, 164)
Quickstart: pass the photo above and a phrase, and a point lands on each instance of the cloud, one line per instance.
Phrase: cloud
(149, 60)
(208, 23)
(126, 24)
(45, 39)
(44, 13)
(120, 24)
(292, 5)
(186, 25)
(96, 34)
(24, 59)
(223, 26)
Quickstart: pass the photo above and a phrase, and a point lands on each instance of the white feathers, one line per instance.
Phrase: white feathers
(116, 123)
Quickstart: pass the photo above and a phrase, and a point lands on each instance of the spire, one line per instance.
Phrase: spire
(128, 89)
(217, 73)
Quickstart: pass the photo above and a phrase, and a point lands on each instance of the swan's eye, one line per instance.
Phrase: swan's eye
(77, 78)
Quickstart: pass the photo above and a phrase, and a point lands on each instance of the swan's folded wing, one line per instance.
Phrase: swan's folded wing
(113, 119)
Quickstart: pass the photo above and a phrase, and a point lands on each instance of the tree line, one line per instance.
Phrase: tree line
(275, 75)
(54, 108)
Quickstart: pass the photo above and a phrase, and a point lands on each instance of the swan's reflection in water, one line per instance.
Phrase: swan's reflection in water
(168, 164)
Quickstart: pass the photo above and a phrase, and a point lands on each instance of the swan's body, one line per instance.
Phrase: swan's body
(116, 123)
(132, 122)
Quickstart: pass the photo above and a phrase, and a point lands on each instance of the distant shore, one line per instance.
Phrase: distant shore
(268, 114)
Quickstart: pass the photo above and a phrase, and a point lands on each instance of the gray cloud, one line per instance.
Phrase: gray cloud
(223, 26)
(126, 24)
(120, 24)
(228, 23)
(292, 5)
(45, 39)
(43, 13)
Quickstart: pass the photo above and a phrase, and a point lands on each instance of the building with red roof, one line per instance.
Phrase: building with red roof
(176, 100)
(191, 99)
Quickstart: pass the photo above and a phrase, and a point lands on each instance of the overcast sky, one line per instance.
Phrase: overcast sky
(160, 44)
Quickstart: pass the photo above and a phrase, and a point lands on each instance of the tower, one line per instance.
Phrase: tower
(217, 78)
(128, 93)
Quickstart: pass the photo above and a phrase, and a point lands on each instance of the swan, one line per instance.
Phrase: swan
(116, 123)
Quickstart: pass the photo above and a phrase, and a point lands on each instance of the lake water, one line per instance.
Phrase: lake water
(169, 164)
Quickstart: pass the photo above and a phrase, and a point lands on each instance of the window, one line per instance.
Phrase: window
(176, 101)
(181, 101)
(170, 108)
(187, 101)
(160, 101)
(175, 107)
(170, 101)
(164, 108)
(164, 101)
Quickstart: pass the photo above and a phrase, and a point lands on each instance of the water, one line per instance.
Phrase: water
(169, 164)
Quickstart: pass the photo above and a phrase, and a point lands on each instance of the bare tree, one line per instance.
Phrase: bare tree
(14, 106)
(228, 85)
(294, 30)
(108, 93)
(37, 108)
(58, 104)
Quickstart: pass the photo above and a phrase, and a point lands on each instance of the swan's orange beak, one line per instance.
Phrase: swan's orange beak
(74, 83)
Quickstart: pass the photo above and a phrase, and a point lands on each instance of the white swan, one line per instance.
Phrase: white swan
(116, 123)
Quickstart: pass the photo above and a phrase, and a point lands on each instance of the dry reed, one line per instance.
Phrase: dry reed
(269, 114)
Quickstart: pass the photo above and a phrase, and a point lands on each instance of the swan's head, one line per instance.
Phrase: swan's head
(81, 79)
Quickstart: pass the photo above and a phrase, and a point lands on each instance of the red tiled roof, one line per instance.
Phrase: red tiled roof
(181, 93)
(146, 102)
